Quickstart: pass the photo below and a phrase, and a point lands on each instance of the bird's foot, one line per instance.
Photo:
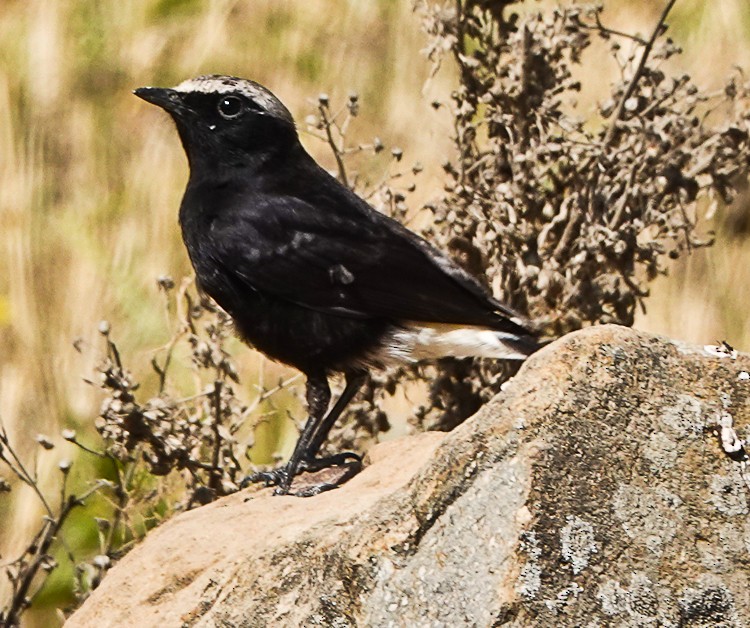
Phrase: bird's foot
(335, 470)
(349, 462)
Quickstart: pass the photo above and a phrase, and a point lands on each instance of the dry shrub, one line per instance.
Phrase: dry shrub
(568, 214)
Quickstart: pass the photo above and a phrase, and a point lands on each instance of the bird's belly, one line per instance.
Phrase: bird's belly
(307, 339)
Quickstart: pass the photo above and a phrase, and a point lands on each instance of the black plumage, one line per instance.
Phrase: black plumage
(309, 272)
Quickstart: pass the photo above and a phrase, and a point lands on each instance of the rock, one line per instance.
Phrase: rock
(598, 489)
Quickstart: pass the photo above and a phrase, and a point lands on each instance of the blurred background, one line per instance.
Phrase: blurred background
(91, 177)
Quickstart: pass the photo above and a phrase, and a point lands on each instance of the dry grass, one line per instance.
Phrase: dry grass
(91, 177)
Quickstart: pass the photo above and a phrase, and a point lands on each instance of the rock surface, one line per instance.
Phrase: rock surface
(596, 490)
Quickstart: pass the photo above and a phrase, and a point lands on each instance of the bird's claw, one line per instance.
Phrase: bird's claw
(281, 479)
(274, 477)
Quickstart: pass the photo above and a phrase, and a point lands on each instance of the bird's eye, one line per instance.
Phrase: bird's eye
(231, 107)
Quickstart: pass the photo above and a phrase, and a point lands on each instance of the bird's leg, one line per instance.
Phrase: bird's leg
(354, 381)
(312, 438)
(351, 461)
(318, 395)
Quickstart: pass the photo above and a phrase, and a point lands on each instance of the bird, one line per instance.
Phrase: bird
(311, 274)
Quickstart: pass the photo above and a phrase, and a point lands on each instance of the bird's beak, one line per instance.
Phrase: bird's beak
(167, 99)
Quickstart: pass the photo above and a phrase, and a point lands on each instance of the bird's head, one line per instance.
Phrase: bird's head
(224, 118)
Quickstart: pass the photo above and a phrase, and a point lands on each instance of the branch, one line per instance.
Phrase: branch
(611, 31)
(214, 480)
(617, 116)
(327, 122)
(19, 469)
(40, 548)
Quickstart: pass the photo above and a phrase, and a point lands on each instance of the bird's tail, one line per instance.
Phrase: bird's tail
(424, 341)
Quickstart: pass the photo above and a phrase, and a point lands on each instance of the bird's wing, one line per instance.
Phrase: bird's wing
(365, 265)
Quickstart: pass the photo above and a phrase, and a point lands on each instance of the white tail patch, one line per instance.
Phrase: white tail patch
(423, 341)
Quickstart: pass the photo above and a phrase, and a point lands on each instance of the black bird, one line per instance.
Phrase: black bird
(310, 273)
